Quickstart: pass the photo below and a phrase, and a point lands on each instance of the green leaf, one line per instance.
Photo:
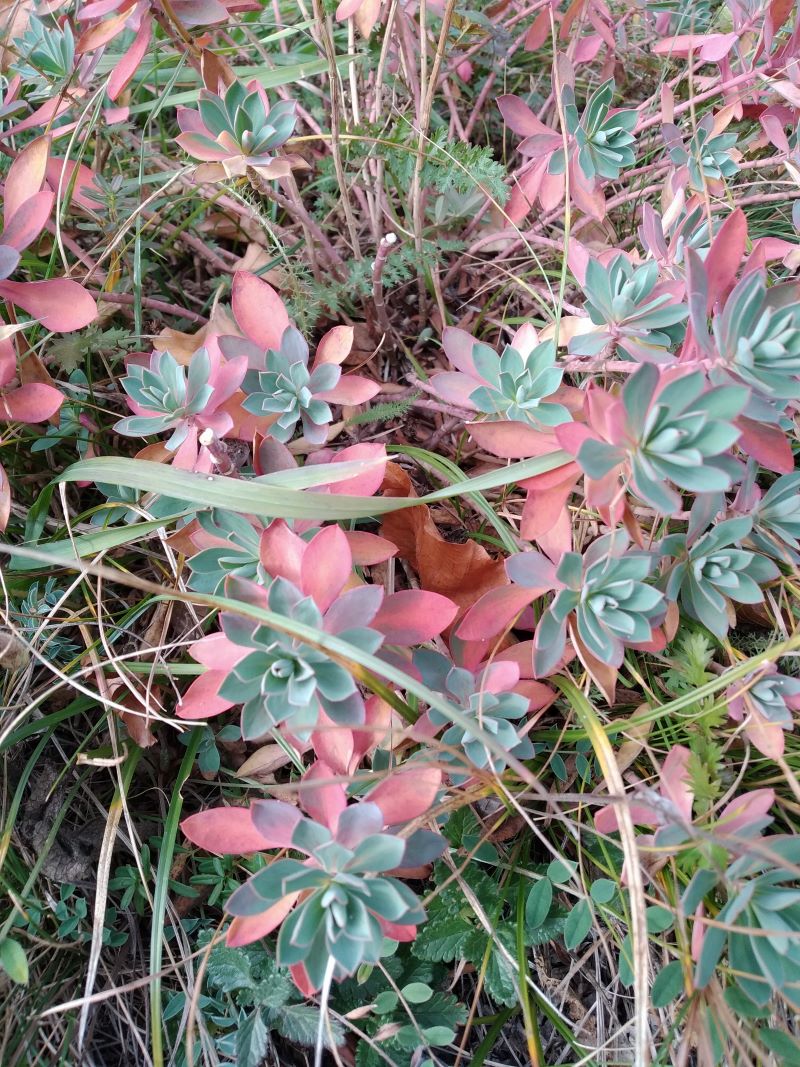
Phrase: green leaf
(417, 992)
(438, 1035)
(444, 938)
(229, 969)
(560, 871)
(602, 890)
(578, 924)
(282, 498)
(252, 1040)
(537, 906)
(90, 544)
(658, 919)
(14, 961)
(386, 1002)
(782, 1045)
(668, 984)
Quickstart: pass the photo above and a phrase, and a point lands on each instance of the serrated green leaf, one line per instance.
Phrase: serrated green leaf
(252, 1040)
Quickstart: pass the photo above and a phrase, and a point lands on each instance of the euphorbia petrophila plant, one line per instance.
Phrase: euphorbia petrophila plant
(712, 572)
(338, 904)
(281, 679)
(281, 384)
(166, 396)
(665, 429)
(237, 131)
(639, 314)
(518, 385)
(764, 703)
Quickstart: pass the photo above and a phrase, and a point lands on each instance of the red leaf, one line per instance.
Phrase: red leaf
(406, 794)
(60, 304)
(31, 403)
(225, 832)
(725, 256)
(413, 616)
(259, 310)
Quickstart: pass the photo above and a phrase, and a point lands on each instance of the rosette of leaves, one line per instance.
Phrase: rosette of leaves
(640, 316)
(237, 130)
(516, 385)
(759, 922)
(711, 572)
(47, 56)
(707, 156)
(286, 388)
(604, 138)
(495, 713)
(604, 594)
(336, 906)
(764, 702)
(776, 519)
(166, 395)
(284, 680)
(343, 899)
(757, 336)
(238, 558)
(679, 432)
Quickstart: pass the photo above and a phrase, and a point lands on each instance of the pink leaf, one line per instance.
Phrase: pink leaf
(520, 118)
(322, 797)
(368, 549)
(128, 64)
(202, 700)
(60, 304)
(456, 388)
(217, 652)
(259, 310)
(414, 615)
(406, 794)
(347, 8)
(326, 566)
(25, 177)
(335, 345)
(768, 444)
(32, 402)
(458, 345)
(281, 551)
(245, 929)
(28, 220)
(275, 821)
(494, 612)
(351, 389)
(725, 256)
(225, 831)
(5, 498)
(746, 809)
(512, 440)
(674, 780)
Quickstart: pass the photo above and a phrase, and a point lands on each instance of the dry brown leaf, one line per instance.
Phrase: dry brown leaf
(463, 572)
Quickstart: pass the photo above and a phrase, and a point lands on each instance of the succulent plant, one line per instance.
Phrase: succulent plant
(707, 155)
(674, 430)
(339, 904)
(46, 56)
(710, 572)
(776, 519)
(759, 922)
(604, 138)
(288, 389)
(212, 566)
(282, 679)
(640, 315)
(764, 702)
(757, 335)
(515, 385)
(344, 898)
(166, 396)
(238, 130)
(481, 698)
(605, 591)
